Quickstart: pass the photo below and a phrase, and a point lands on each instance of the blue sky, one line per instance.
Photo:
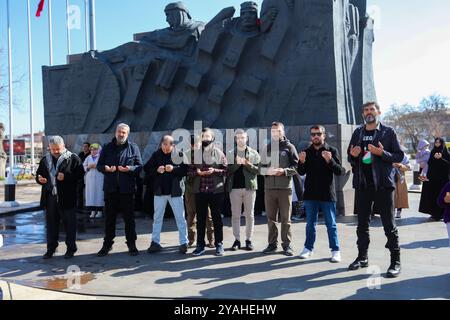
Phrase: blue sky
(411, 49)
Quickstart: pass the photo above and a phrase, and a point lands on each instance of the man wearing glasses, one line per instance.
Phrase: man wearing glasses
(320, 162)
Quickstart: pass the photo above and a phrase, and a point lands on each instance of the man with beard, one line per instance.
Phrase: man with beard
(120, 162)
(320, 162)
(373, 149)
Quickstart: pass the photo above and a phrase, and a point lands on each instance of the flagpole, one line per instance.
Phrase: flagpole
(93, 40)
(86, 23)
(10, 185)
(68, 28)
(30, 71)
(50, 31)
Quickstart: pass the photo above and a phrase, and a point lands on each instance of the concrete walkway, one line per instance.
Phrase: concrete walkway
(237, 275)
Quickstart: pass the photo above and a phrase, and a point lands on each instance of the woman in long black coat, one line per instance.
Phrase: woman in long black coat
(436, 178)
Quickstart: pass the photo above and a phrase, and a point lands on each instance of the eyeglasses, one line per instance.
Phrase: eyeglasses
(316, 134)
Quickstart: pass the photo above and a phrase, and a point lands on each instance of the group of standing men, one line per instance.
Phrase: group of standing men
(372, 151)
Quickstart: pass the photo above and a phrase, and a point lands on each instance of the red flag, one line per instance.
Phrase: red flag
(40, 8)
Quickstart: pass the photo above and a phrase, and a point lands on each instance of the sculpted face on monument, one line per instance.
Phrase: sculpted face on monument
(177, 16)
(249, 16)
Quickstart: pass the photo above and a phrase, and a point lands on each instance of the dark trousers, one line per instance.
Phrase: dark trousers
(215, 203)
(53, 216)
(115, 203)
(80, 195)
(383, 200)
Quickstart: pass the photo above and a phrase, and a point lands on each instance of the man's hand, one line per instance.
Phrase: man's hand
(110, 169)
(209, 172)
(438, 155)
(327, 155)
(60, 176)
(355, 151)
(423, 178)
(123, 169)
(169, 168)
(279, 172)
(447, 197)
(397, 165)
(161, 169)
(41, 179)
(240, 160)
(302, 157)
(376, 151)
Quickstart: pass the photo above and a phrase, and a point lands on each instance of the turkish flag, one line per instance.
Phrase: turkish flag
(40, 8)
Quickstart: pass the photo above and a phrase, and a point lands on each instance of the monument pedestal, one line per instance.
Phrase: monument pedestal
(337, 135)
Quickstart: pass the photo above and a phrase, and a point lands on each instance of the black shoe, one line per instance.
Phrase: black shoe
(104, 251)
(236, 245)
(288, 251)
(360, 262)
(270, 249)
(183, 248)
(154, 247)
(248, 245)
(69, 254)
(395, 267)
(48, 255)
(133, 251)
(198, 251)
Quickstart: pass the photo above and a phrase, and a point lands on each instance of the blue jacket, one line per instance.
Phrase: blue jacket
(124, 155)
(382, 169)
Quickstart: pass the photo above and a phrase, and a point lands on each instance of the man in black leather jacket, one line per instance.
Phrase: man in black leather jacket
(373, 149)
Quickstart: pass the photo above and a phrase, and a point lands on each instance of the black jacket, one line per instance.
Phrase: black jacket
(73, 171)
(176, 176)
(124, 155)
(319, 182)
(383, 172)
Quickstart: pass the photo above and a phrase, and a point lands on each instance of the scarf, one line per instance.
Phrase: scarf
(53, 170)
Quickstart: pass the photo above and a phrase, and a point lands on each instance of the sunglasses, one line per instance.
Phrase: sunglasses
(316, 134)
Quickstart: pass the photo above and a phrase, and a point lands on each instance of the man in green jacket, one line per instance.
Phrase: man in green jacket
(278, 186)
(242, 185)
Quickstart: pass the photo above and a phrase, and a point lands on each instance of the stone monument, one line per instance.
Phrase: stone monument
(301, 62)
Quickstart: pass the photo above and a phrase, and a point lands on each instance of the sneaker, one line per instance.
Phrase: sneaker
(104, 251)
(133, 251)
(271, 248)
(335, 256)
(183, 248)
(99, 215)
(398, 215)
(248, 245)
(48, 255)
(92, 216)
(198, 251)
(236, 245)
(69, 254)
(219, 250)
(306, 254)
(360, 262)
(154, 247)
(288, 251)
(296, 218)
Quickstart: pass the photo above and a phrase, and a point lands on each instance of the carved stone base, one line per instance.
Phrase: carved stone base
(337, 136)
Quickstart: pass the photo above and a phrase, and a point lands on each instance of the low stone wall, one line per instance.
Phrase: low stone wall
(337, 136)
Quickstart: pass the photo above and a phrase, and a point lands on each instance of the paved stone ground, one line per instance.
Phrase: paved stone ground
(27, 196)
(237, 275)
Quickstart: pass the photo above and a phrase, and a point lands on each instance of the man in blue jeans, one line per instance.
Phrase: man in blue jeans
(320, 162)
(168, 185)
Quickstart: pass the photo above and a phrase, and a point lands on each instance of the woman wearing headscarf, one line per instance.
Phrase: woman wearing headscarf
(401, 187)
(422, 156)
(435, 180)
(94, 183)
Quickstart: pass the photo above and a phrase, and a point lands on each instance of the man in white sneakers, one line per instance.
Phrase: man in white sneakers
(320, 162)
